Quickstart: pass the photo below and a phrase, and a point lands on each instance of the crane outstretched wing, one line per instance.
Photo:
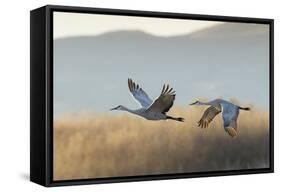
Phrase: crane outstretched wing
(164, 102)
(208, 116)
(230, 120)
(139, 94)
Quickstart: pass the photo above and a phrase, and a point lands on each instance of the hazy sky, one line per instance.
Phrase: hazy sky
(199, 59)
(77, 24)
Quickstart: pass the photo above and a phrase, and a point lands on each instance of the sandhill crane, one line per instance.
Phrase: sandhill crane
(229, 111)
(151, 110)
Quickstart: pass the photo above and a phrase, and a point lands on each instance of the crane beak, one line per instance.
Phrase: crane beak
(193, 103)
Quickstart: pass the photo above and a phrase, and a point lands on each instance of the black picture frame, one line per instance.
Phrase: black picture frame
(41, 99)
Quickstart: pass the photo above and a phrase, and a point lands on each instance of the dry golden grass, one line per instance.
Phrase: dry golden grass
(107, 145)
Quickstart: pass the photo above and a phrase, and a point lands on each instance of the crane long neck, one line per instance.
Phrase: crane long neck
(127, 109)
(204, 103)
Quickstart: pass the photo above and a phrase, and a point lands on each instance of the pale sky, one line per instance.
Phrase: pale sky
(82, 24)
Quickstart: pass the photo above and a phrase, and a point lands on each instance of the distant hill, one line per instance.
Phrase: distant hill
(229, 60)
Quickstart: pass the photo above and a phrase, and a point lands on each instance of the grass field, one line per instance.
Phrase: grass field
(95, 145)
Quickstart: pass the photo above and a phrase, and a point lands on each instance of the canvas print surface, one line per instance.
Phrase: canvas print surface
(140, 96)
